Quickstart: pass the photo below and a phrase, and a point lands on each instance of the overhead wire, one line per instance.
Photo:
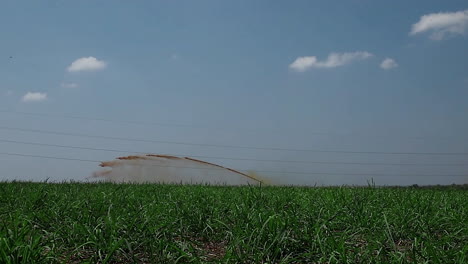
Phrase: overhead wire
(220, 146)
(134, 122)
(96, 119)
(231, 146)
(232, 158)
(248, 170)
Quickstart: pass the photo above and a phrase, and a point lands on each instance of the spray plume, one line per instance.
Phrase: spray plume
(152, 168)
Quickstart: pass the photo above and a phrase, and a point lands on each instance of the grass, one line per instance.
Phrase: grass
(125, 223)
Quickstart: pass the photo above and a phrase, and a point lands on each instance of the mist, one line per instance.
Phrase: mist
(171, 169)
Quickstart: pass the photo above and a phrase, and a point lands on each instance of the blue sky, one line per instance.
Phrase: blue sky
(224, 72)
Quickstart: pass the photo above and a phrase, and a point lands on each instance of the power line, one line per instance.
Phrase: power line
(363, 174)
(232, 146)
(247, 170)
(239, 159)
(95, 119)
(133, 122)
(46, 157)
(76, 117)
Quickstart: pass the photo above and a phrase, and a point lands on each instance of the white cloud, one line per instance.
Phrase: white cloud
(69, 85)
(442, 24)
(303, 63)
(87, 64)
(34, 97)
(388, 64)
(333, 60)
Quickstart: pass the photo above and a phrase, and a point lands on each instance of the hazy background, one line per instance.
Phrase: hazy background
(221, 72)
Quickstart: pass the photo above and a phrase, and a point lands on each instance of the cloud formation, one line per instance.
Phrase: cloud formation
(87, 64)
(69, 85)
(34, 97)
(442, 24)
(388, 64)
(333, 60)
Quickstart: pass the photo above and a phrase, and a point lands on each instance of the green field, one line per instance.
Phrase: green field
(112, 223)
